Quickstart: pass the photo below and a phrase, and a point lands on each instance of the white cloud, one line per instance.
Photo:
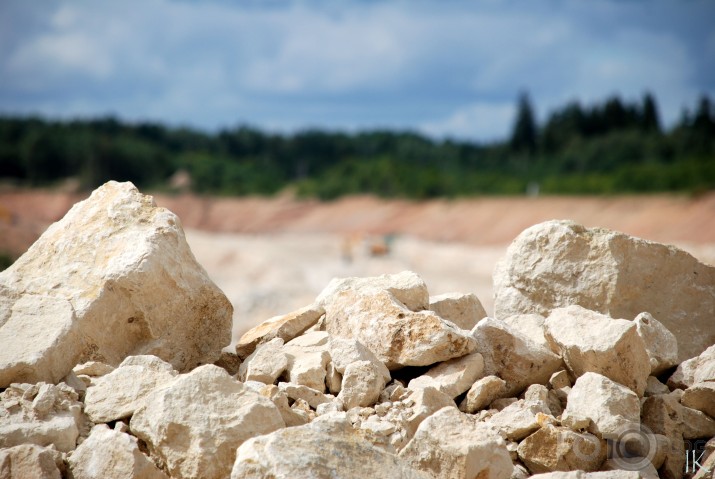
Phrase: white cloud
(484, 121)
(448, 68)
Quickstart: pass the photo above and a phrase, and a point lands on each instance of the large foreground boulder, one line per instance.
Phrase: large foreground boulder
(328, 447)
(193, 425)
(115, 277)
(560, 263)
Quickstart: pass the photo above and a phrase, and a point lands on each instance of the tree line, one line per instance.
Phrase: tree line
(613, 146)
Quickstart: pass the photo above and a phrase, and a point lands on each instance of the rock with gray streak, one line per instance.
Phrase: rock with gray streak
(513, 356)
(559, 263)
(115, 277)
(463, 309)
(591, 342)
(388, 315)
(601, 405)
(110, 454)
(194, 425)
(453, 445)
(118, 394)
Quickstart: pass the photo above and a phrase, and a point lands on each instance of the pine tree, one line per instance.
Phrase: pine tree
(523, 137)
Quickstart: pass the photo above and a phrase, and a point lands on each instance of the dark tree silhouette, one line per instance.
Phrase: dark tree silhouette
(649, 118)
(523, 137)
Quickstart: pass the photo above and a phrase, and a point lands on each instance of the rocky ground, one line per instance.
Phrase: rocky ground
(597, 359)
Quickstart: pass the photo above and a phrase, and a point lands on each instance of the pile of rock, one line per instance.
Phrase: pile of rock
(600, 363)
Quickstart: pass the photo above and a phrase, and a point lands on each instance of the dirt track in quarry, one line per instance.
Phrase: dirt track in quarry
(271, 256)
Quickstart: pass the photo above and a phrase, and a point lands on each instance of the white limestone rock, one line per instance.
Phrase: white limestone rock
(452, 377)
(591, 342)
(424, 402)
(110, 454)
(512, 356)
(41, 414)
(115, 277)
(327, 447)
(387, 315)
(285, 327)
(93, 369)
(313, 397)
(453, 445)
(655, 387)
(279, 398)
(700, 396)
(463, 309)
(529, 325)
(520, 419)
(362, 384)
(660, 344)
(601, 405)
(28, 461)
(696, 370)
(560, 263)
(483, 393)
(193, 425)
(308, 357)
(265, 364)
(553, 448)
(344, 352)
(121, 392)
(406, 287)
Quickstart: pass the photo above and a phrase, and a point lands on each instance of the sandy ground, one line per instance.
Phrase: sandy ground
(266, 275)
(272, 256)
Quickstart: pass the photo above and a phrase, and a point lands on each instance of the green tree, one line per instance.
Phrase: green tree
(649, 116)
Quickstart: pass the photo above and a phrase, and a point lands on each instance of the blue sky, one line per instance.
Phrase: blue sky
(444, 68)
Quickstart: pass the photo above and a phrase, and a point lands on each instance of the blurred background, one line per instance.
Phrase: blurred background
(300, 140)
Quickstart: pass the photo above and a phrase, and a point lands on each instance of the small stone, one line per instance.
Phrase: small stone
(361, 385)
(560, 449)
(452, 445)
(265, 364)
(700, 396)
(695, 370)
(424, 402)
(512, 356)
(592, 342)
(118, 394)
(30, 461)
(308, 359)
(464, 310)
(660, 344)
(110, 454)
(601, 405)
(285, 327)
(482, 393)
(529, 325)
(654, 387)
(312, 396)
(93, 369)
(452, 377)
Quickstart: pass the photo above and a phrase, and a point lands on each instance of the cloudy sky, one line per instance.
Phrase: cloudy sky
(442, 67)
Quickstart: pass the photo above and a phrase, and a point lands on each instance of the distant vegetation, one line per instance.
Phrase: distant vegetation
(612, 147)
